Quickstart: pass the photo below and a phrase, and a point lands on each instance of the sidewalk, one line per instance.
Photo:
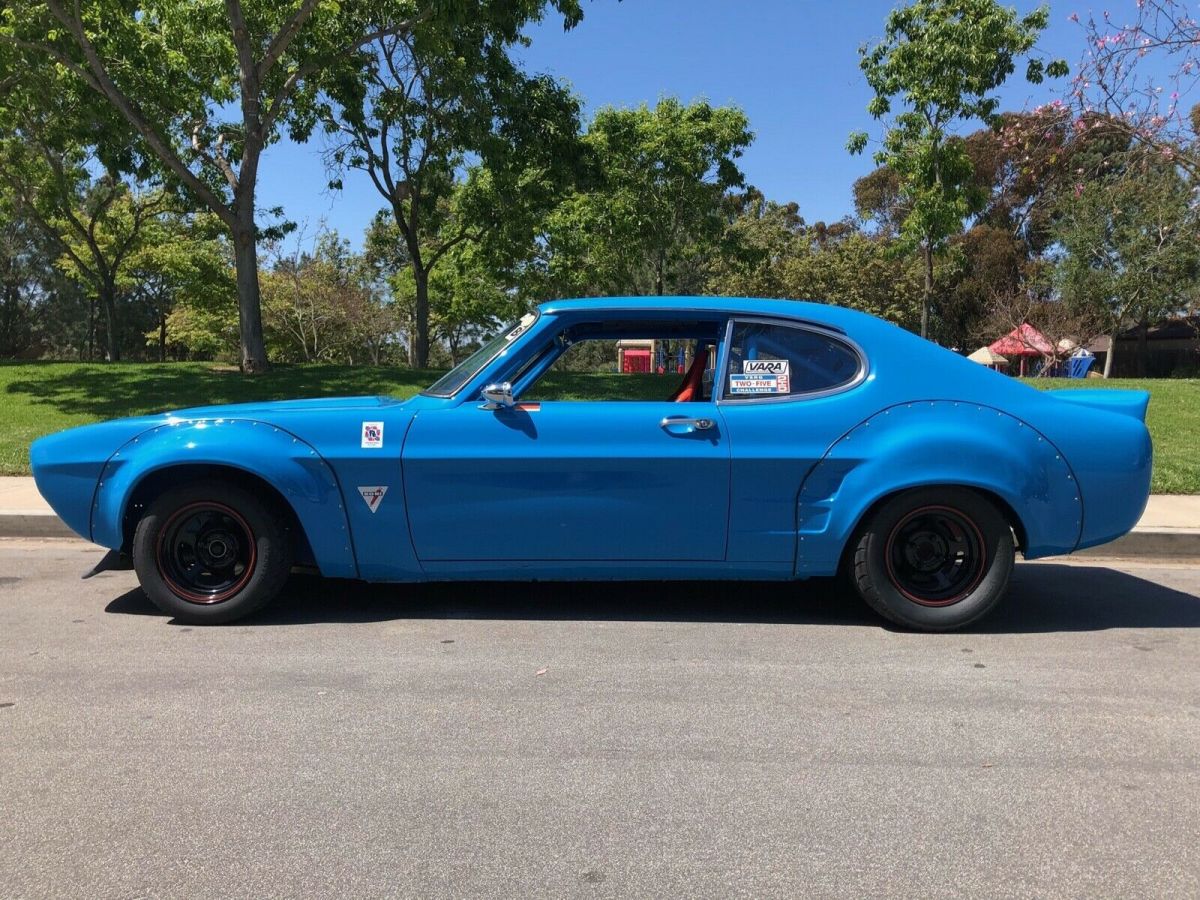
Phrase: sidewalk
(1170, 527)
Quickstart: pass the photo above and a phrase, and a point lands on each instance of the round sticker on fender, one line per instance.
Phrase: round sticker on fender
(372, 435)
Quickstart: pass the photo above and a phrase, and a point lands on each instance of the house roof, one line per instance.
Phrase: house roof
(1179, 328)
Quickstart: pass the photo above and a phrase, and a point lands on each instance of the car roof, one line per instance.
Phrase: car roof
(807, 310)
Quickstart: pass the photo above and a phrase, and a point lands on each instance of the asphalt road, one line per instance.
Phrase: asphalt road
(597, 740)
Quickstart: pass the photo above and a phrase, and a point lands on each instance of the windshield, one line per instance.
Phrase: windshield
(450, 383)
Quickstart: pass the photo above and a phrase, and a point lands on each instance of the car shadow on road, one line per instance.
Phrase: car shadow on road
(1045, 597)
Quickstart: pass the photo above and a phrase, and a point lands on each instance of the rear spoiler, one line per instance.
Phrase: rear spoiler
(1129, 403)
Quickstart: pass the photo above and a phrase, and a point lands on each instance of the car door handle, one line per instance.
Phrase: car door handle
(685, 425)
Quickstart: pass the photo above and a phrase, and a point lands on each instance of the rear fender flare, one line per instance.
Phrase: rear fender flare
(937, 442)
(290, 465)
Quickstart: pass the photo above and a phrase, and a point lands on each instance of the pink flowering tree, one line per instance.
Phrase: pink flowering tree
(1140, 66)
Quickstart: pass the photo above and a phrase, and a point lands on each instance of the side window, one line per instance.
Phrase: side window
(767, 360)
(630, 367)
(590, 370)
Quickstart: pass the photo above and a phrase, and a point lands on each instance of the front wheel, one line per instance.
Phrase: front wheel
(934, 559)
(211, 552)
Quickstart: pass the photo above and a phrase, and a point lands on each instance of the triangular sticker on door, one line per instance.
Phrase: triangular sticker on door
(373, 495)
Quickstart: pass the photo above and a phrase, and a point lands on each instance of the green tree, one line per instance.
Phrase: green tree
(858, 271)
(411, 109)
(205, 86)
(23, 256)
(940, 62)
(654, 214)
(94, 221)
(1128, 240)
(182, 257)
(469, 299)
(320, 305)
(761, 235)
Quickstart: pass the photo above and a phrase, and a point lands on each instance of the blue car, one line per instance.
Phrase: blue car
(628, 438)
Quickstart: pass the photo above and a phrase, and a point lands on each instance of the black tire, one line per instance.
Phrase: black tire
(211, 552)
(933, 559)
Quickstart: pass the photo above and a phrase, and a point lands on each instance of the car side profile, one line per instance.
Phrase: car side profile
(625, 438)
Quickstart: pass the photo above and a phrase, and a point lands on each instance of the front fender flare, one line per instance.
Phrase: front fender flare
(933, 442)
(290, 465)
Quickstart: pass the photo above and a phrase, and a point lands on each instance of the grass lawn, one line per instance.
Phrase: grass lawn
(39, 398)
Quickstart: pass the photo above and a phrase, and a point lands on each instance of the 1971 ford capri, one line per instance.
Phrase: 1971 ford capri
(730, 439)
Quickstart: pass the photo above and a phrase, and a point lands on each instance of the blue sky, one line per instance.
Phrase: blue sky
(792, 65)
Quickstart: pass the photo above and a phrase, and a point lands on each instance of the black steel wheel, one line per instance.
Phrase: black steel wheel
(210, 552)
(934, 559)
(206, 552)
(935, 556)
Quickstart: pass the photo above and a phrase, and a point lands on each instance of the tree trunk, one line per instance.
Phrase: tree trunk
(419, 351)
(111, 332)
(928, 289)
(245, 259)
(91, 329)
(658, 276)
(1108, 357)
(162, 335)
(1143, 347)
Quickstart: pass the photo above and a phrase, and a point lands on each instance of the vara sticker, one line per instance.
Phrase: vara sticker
(372, 435)
(373, 495)
(765, 367)
(762, 376)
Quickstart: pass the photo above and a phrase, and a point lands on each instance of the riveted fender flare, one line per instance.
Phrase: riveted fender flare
(937, 442)
(290, 465)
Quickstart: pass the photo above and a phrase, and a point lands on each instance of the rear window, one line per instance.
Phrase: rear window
(770, 360)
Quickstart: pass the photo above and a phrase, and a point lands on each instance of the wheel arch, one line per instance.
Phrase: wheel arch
(256, 455)
(1003, 507)
(156, 481)
(934, 443)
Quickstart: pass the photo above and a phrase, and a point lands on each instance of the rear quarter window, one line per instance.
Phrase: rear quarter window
(768, 360)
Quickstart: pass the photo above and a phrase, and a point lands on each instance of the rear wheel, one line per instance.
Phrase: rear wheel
(934, 559)
(211, 552)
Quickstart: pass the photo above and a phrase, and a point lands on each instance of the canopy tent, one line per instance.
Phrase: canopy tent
(985, 356)
(1025, 341)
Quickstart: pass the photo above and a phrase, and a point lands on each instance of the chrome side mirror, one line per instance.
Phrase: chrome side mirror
(497, 396)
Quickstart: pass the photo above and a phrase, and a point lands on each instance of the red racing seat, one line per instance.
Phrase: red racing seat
(693, 381)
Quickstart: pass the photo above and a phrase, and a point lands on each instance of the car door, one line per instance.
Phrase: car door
(787, 390)
(559, 480)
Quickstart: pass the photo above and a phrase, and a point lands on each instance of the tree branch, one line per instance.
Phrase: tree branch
(105, 86)
(284, 38)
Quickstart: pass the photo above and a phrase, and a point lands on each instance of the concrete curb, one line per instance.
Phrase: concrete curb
(33, 524)
(1141, 543)
(1175, 543)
